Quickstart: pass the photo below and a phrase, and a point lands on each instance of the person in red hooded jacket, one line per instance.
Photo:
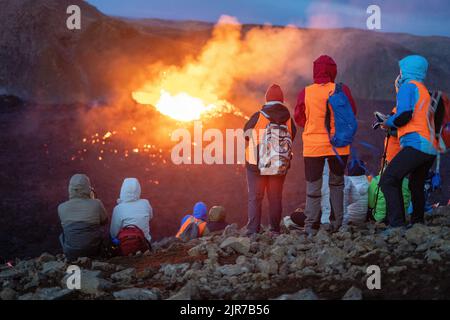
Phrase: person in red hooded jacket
(310, 115)
(273, 111)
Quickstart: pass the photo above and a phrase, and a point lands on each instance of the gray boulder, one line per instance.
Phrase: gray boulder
(304, 294)
(238, 244)
(135, 294)
(353, 294)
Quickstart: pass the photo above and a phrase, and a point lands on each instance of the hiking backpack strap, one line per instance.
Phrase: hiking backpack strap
(337, 89)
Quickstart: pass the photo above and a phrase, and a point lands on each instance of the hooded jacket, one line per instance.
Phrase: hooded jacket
(81, 219)
(277, 112)
(200, 212)
(411, 98)
(131, 209)
(309, 117)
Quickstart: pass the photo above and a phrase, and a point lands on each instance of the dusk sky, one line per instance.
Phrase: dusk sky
(421, 17)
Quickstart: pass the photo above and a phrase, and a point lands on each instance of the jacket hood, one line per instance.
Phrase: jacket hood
(79, 186)
(325, 70)
(200, 211)
(413, 68)
(217, 214)
(277, 112)
(130, 191)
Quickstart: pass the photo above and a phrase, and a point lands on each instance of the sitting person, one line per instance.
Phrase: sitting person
(356, 197)
(82, 218)
(131, 217)
(216, 219)
(193, 225)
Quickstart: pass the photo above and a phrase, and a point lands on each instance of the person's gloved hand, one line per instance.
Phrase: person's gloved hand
(379, 120)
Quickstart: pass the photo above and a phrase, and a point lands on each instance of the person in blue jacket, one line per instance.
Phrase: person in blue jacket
(200, 212)
(419, 148)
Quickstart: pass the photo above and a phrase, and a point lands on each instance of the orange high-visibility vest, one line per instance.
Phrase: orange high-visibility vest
(316, 142)
(200, 223)
(393, 148)
(256, 135)
(420, 121)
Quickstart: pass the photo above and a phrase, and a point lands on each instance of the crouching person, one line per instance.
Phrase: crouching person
(356, 194)
(194, 225)
(130, 223)
(82, 218)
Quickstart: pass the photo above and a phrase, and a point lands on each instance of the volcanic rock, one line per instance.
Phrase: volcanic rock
(238, 244)
(135, 294)
(353, 294)
(304, 294)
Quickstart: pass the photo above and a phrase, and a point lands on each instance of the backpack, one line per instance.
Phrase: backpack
(440, 113)
(275, 149)
(192, 229)
(345, 124)
(131, 240)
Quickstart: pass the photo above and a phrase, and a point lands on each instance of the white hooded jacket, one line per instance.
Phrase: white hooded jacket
(356, 199)
(131, 210)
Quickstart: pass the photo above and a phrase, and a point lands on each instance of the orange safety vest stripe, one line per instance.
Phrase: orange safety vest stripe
(201, 226)
(316, 142)
(393, 148)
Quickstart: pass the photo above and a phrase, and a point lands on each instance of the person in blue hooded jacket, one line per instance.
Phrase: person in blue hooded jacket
(417, 141)
(199, 216)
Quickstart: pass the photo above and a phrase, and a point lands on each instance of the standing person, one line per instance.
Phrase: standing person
(130, 222)
(310, 114)
(82, 219)
(417, 140)
(268, 154)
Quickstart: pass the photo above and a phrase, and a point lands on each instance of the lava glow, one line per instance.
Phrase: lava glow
(199, 87)
(181, 107)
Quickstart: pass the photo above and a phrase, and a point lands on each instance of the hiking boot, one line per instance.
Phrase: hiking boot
(335, 227)
(310, 233)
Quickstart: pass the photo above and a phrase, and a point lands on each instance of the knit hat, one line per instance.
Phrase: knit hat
(274, 93)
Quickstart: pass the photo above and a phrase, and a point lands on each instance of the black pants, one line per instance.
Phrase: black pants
(257, 186)
(314, 166)
(416, 164)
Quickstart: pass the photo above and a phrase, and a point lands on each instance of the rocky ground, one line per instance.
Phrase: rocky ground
(414, 265)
